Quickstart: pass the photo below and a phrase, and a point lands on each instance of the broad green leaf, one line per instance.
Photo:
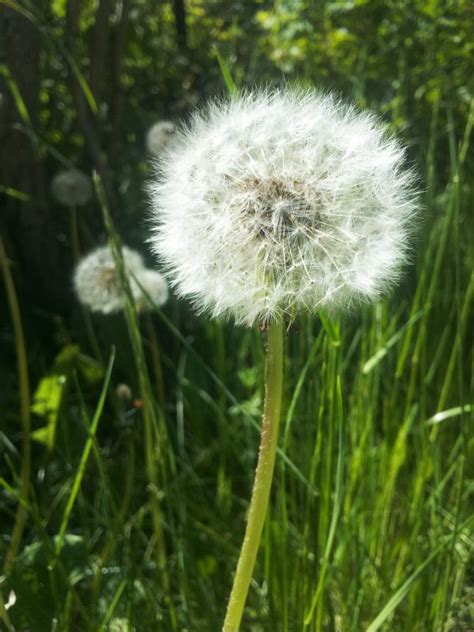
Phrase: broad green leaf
(46, 403)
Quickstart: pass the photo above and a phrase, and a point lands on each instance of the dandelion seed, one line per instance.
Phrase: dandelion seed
(96, 279)
(158, 137)
(71, 188)
(275, 203)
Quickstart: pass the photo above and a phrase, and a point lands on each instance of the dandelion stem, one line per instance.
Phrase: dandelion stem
(263, 478)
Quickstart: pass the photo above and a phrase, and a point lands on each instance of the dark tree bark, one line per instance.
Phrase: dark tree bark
(30, 228)
(100, 45)
(180, 18)
(87, 122)
(116, 92)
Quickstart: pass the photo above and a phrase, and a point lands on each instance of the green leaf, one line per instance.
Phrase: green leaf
(37, 584)
(91, 370)
(46, 403)
(70, 357)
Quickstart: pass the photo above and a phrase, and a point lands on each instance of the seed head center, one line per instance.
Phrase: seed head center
(278, 210)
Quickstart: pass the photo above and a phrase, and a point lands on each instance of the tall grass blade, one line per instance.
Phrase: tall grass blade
(226, 75)
(404, 589)
(85, 455)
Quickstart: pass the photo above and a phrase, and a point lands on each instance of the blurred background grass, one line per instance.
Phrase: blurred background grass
(127, 513)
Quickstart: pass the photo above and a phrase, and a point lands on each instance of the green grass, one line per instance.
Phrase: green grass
(135, 511)
(369, 523)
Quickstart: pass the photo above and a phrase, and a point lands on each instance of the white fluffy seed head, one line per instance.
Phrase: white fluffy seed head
(158, 137)
(274, 203)
(71, 188)
(97, 282)
(150, 286)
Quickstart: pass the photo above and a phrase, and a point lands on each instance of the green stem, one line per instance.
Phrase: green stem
(263, 478)
(155, 358)
(152, 448)
(21, 511)
(76, 251)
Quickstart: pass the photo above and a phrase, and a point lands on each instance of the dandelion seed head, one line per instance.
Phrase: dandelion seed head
(158, 137)
(150, 286)
(123, 392)
(71, 188)
(97, 282)
(274, 203)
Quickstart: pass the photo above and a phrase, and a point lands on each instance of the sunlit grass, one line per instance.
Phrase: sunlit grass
(137, 512)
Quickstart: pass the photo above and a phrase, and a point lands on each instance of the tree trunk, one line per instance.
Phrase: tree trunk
(180, 18)
(30, 228)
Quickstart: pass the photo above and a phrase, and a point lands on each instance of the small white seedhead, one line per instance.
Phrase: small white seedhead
(97, 282)
(120, 624)
(123, 392)
(158, 137)
(150, 289)
(71, 188)
(274, 203)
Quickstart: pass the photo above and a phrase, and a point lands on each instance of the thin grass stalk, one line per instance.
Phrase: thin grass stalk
(457, 360)
(338, 416)
(152, 450)
(76, 252)
(155, 358)
(32, 510)
(93, 425)
(263, 478)
(25, 415)
(111, 543)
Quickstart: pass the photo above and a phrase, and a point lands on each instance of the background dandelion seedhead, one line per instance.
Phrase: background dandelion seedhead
(97, 282)
(158, 137)
(150, 285)
(71, 188)
(272, 203)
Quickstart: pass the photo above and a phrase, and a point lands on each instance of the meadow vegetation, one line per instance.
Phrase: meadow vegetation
(129, 440)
